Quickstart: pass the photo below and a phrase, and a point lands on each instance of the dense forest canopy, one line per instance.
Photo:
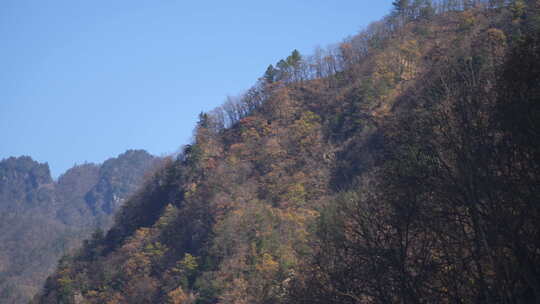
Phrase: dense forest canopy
(400, 166)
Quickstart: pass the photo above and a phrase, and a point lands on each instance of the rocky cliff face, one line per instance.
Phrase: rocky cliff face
(117, 178)
(41, 219)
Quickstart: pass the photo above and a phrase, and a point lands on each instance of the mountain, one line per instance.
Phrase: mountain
(401, 166)
(41, 219)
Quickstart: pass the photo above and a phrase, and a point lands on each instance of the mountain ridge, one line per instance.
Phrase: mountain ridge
(399, 167)
(41, 218)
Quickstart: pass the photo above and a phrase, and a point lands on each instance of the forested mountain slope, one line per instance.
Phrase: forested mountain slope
(401, 166)
(41, 219)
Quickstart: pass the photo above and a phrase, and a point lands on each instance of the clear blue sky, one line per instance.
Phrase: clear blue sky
(86, 80)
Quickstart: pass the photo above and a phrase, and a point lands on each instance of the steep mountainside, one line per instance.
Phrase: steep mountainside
(41, 219)
(402, 166)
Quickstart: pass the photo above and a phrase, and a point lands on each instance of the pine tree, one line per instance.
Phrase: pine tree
(401, 7)
(270, 74)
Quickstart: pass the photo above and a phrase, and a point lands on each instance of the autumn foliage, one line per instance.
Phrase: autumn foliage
(398, 167)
